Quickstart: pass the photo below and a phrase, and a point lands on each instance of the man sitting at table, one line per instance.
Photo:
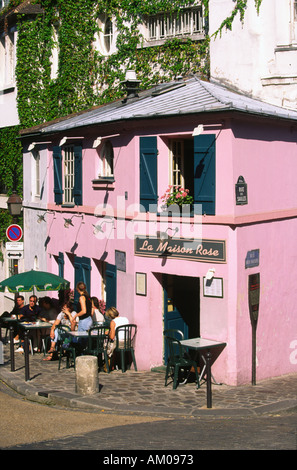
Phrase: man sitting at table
(31, 311)
(28, 313)
(19, 304)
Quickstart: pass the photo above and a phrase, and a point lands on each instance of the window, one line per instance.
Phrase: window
(68, 174)
(35, 174)
(107, 160)
(295, 10)
(184, 23)
(7, 58)
(105, 40)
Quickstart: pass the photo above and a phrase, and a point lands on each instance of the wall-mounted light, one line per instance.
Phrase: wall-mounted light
(98, 227)
(41, 217)
(210, 274)
(68, 221)
(165, 236)
(33, 144)
(198, 130)
(64, 140)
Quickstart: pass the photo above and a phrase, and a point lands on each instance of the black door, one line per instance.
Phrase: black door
(181, 305)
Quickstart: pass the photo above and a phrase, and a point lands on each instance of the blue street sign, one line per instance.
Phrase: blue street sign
(14, 233)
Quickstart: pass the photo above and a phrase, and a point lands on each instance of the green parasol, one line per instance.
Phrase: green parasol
(30, 280)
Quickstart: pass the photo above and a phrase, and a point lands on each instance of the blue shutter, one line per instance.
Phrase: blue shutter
(58, 188)
(111, 285)
(77, 190)
(61, 263)
(148, 173)
(205, 172)
(82, 273)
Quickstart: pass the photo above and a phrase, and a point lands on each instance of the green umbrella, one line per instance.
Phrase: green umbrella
(30, 280)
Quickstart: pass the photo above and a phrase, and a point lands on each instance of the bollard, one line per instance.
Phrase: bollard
(86, 375)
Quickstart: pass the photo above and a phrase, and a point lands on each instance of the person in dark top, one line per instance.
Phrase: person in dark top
(19, 305)
(84, 308)
(31, 311)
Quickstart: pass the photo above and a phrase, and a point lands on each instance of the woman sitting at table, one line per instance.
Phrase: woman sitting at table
(115, 322)
(65, 317)
(98, 317)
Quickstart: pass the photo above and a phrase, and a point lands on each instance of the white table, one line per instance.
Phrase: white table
(203, 344)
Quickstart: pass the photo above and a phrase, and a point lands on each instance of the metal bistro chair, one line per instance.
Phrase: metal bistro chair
(65, 349)
(97, 341)
(177, 334)
(125, 337)
(177, 359)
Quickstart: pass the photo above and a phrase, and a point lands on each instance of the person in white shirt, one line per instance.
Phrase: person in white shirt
(116, 321)
(65, 317)
(97, 316)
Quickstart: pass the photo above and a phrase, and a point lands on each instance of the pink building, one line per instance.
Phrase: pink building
(107, 169)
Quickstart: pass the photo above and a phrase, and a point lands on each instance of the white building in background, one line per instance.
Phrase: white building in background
(258, 56)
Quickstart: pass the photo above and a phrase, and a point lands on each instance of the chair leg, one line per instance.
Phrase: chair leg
(197, 377)
(167, 373)
(106, 361)
(123, 360)
(133, 358)
(176, 369)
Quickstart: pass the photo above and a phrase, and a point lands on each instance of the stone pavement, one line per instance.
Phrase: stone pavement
(144, 393)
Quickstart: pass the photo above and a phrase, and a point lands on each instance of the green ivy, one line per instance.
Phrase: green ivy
(85, 77)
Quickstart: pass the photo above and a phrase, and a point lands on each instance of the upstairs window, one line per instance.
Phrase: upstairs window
(105, 41)
(68, 174)
(7, 59)
(187, 22)
(106, 160)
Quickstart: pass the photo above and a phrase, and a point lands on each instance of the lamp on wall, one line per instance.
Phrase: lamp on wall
(210, 274)
(165, 236)
(98, 227)
(14, 204)
(68, 221)
(41, 217)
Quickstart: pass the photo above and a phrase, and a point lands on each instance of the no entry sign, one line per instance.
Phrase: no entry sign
(14, 233)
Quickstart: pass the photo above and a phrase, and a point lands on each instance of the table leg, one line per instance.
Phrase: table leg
(12, 363)
(208, 379)
(26, 353)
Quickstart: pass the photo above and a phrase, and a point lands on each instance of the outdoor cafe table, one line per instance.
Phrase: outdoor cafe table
(199, 345)
(30, 326)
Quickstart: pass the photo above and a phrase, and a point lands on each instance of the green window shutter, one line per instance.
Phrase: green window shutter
(205, 172)
(111, 285)
(77, 190)
(148, 173)
(58, 188)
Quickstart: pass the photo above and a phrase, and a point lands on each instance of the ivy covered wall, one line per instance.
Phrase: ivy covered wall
(86, 78)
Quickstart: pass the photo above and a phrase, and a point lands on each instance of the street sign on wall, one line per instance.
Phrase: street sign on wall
(14, 233)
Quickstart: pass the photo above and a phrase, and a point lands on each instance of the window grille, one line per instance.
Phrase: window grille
(186, 22)
(68, 175)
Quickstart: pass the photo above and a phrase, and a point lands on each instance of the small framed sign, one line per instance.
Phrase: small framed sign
(241, 192)
(140, 281)
(213, 287)
(120, 260)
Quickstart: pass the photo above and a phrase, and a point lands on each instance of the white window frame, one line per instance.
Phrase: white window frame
(36, 186)
(8, 59)
(176, 163)
(107, 160)
(105, 40)
(68, 174)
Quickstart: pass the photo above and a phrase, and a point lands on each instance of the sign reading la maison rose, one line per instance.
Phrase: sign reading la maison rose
(196, 250)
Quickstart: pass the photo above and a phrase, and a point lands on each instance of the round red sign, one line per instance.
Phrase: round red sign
(14, 233)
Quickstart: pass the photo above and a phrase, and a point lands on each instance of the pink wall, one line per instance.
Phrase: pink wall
(265, 154)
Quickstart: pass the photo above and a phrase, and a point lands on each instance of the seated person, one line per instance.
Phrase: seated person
(31, 311)
(19, 304)
(48, 312)
(65, 317)
(115, 322)
(97, 316)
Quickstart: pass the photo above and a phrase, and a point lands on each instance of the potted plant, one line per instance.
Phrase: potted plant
(176, 195)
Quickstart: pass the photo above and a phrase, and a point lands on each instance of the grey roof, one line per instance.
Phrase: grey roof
(176, 98)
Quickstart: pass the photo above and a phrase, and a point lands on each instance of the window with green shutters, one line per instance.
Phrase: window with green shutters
(68, 175)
